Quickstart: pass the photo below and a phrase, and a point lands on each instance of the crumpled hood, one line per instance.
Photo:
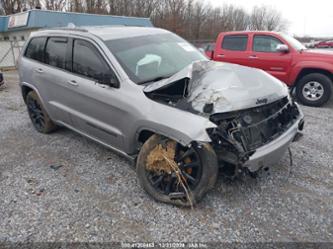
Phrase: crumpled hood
(225, 87)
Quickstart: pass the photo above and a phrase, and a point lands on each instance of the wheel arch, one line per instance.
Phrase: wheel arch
(310, 70)
(25, 90)
(143, 134)
(314, 99)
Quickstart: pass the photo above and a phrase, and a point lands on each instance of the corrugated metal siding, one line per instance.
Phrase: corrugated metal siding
(61, 19)
(3, 23)
(50, 19)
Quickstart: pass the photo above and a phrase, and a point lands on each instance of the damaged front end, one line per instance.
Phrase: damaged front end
(257, 137)
(255, 117)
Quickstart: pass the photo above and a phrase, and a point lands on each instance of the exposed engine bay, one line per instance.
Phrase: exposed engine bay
(240, 133)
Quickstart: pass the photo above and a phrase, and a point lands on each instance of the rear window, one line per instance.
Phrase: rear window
(235, 42)
(55, 52)
(35, 49)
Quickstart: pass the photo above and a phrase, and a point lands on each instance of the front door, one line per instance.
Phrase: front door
(265, 56)
(96, 106)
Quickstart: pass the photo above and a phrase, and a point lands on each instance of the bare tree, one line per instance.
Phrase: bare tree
(239, 19)
(192, 19)
(11, 6)
(144, 8)
(76, 6)
(30, 4)
(175, 10)
(225, 18)
(199, 18)
(120, 7)
(57, 5)
(266, 18)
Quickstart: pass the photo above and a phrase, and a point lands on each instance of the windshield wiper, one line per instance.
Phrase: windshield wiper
(154, 79)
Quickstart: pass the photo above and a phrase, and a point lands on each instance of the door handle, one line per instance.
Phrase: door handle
(253, 57)
(39, 70)
(220, 55)
(72, 82)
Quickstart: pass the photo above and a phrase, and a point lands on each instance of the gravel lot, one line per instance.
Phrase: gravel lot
(64, 187)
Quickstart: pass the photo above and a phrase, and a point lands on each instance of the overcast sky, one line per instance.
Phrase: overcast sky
(305, 17)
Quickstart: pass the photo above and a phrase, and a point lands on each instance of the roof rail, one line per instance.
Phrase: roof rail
(67, 29)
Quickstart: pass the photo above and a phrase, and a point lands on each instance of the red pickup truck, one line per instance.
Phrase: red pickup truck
(308, 72)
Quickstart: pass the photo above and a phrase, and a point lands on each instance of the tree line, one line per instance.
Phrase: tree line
(192, 19)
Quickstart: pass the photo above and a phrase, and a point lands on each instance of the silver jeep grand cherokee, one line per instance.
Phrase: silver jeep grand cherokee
(153, 97)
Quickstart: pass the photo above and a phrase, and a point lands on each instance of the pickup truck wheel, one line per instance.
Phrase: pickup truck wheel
(39, 118)
(314, 89)
(175, 174)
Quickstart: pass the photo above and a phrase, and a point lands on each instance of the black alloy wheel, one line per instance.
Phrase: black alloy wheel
(190, 167)
(178, 175)
(39, 118)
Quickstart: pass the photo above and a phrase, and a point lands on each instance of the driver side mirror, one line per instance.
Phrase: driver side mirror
(283, 48)
(109, 80)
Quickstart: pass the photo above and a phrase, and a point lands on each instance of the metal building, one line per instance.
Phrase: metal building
(18, 26)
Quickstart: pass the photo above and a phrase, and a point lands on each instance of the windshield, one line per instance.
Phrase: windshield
(293, 42)
(153, 57)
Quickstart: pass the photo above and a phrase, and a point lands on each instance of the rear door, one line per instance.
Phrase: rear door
(264, 55)
(32, 65)
(44, 67)
(233, 49)
(53, 73)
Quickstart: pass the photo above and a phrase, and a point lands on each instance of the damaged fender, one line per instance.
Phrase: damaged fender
(183, 127)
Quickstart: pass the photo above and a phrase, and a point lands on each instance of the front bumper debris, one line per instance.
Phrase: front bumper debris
(255, 138)
(271, 153)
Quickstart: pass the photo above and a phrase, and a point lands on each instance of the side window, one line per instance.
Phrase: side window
(88, 62)
(235, 42)
(55, 52)
(35, 49)
(265, 43)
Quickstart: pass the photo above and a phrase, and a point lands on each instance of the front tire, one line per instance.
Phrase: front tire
(39, 117)
(314, 89)
(192, 172)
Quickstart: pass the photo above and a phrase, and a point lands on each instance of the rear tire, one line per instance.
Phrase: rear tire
(208, 173)
(39, 117)
(314, 89)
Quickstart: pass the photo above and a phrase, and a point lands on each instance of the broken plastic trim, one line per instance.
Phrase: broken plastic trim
(239, 134)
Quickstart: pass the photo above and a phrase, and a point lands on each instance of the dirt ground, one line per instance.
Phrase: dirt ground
(64, 187)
